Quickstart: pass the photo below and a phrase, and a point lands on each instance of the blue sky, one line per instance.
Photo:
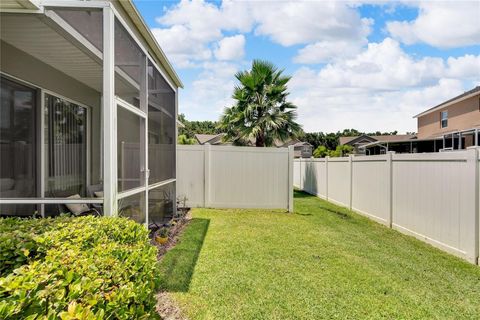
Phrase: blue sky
(367, 65)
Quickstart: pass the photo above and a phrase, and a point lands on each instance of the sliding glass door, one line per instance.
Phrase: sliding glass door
(18, 174)
(65, 148)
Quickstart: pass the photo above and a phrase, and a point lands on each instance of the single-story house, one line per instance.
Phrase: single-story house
(88, 111)
(358, 142)
(213, 139)
(301, 149)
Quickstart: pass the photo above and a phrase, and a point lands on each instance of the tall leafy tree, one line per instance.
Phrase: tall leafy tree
(261, 112)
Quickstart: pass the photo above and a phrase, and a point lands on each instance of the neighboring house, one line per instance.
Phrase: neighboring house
(451, 125)
(88, 111)
(301, 149)
(358, 142)
(457, 119)
(213, 139)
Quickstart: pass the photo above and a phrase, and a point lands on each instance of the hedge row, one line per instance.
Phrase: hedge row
(76, 268)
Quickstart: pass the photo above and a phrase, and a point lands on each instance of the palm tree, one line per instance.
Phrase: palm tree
(261, 112)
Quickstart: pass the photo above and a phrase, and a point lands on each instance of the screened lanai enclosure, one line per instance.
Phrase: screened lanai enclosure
(88, 112)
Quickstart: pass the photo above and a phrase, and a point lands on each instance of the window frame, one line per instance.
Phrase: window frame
(40, 149)
(444, 121)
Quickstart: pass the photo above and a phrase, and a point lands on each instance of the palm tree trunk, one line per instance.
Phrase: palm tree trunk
(260, 140)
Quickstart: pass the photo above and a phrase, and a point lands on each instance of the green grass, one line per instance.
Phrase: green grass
(322, 262)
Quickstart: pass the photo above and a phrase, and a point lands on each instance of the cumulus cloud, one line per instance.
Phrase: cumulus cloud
(211, 92)
(231, 48)
(379, 89)
(190, 30)
(325, 51)
(443, 24)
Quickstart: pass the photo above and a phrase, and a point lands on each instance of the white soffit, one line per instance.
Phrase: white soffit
(31, 35)
(17, 4)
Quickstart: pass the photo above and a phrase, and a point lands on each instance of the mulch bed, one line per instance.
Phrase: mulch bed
(166, 307)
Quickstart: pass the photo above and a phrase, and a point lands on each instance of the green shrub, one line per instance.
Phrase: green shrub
(77, 268)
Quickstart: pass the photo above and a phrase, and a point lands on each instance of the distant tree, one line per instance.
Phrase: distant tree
(320, 152)
(183, 139)
(341, 151)
(197, 127)
(261, 111)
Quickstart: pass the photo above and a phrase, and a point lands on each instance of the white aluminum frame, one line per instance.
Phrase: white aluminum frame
(109, 105)
(41, 174)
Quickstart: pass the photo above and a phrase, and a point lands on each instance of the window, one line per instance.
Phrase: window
(444, 119)
(17, 146)
(65, 148)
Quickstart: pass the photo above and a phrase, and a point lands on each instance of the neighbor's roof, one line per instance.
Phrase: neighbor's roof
(210, 138)
(374, 143)
(468, 94)
(381, 138)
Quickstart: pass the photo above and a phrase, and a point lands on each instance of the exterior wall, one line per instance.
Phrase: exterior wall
(433, 197)
(31, 70)
(462, 115)
(235, 177)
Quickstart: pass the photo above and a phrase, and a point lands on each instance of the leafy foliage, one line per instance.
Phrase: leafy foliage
(77, 268)
(340, 151)
(262, 112)
(183, 139)
(194, 127)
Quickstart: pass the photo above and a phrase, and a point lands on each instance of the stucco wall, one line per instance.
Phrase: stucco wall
(462, 115)
(20, 65)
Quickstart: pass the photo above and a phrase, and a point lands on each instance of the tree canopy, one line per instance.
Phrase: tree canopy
(261, 112)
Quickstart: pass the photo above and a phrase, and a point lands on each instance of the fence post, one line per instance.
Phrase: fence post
(206, 188)
(472, 163)
(290, 177)
(389, 156)
(301, 171)
(326, 177)
(350, 165)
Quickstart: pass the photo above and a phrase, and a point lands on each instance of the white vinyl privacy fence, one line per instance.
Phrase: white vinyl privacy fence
(433, 196)
(235, 177)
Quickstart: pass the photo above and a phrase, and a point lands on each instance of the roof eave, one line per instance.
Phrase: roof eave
(441, 106)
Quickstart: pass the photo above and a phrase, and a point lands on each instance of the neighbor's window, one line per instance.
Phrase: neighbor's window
(444, 119)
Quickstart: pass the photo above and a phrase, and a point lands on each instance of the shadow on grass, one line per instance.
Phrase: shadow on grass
(339, 211)
(178, 264)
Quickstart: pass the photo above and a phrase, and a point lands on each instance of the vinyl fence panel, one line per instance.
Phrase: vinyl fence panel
(191, 174)
(434, 196)
(434, 199)
(339, 181)
(370, 189)
(235, 177)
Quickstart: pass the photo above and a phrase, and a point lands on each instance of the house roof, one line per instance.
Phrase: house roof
(468, 94)
(209, 138)
(375, 138)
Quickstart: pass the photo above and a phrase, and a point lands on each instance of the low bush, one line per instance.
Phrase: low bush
(76, 268)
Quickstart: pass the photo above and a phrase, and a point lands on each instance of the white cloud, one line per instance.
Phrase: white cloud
(443, 24)
(325, 51)
(290, 23)
(190, 29)
(231, 48)
(379, 89)
(211, 92)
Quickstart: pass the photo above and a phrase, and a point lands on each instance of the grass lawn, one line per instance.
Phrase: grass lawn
(322, 262)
